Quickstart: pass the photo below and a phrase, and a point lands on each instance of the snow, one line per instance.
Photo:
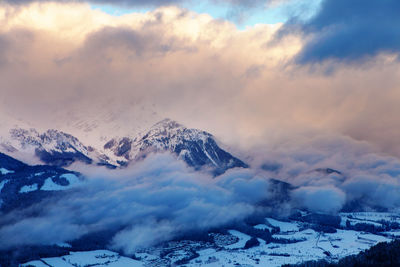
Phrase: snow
(243, 238)
(393, 233)
(306, 244)
(284, 226)
(165, 135)
(88, 258)
(312, 247)
(59, 262)
(50, 185)
(71, 178)
(28, 188)
(35, 264)
(27, 141)
(4, 171)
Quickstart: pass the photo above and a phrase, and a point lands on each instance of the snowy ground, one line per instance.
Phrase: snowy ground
(87, 258)
(50, 185)
(5, 171)
(294, 243)
(314, 246)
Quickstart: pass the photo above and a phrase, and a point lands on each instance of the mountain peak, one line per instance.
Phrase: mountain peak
(197, 148)
(52, 147)
(167, 124)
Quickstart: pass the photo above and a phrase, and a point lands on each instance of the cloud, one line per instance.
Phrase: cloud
(349, 31)
(160, 198)
(243, 3)
(320, 199)
(117, 2)
(367, 189)
(331, 173)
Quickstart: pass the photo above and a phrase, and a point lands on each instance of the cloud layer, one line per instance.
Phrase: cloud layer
(154, 201)
(160, 198)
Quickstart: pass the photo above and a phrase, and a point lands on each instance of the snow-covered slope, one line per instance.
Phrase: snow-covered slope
(197, 148)
(22, 185)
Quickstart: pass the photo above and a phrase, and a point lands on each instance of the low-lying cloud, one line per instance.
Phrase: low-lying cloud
(160, 198)
(331, 173)
(154, 201)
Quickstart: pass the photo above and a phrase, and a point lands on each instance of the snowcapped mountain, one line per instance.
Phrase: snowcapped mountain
(22, 185)
(52, 147)
(197, 148)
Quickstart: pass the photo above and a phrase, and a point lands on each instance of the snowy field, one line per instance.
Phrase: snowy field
(88, 258)
(297, 243)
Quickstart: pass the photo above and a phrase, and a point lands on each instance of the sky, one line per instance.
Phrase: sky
(264, 13)
(247, 71)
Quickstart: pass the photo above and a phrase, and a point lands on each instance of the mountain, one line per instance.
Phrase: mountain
(53, 147)
(197, 148)
(22, 185)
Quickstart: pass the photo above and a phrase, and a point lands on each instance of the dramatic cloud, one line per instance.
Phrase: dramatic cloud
(155, 200)
(83, 71)
(333, 137)
(350, 31)
(160, 198)
(332, 173)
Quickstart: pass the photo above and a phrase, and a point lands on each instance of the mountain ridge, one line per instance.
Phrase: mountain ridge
(197, 148)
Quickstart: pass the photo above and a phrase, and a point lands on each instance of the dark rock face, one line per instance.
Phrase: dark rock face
(124, 146)
(207, 153)
(61, 159)
(110, 144)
